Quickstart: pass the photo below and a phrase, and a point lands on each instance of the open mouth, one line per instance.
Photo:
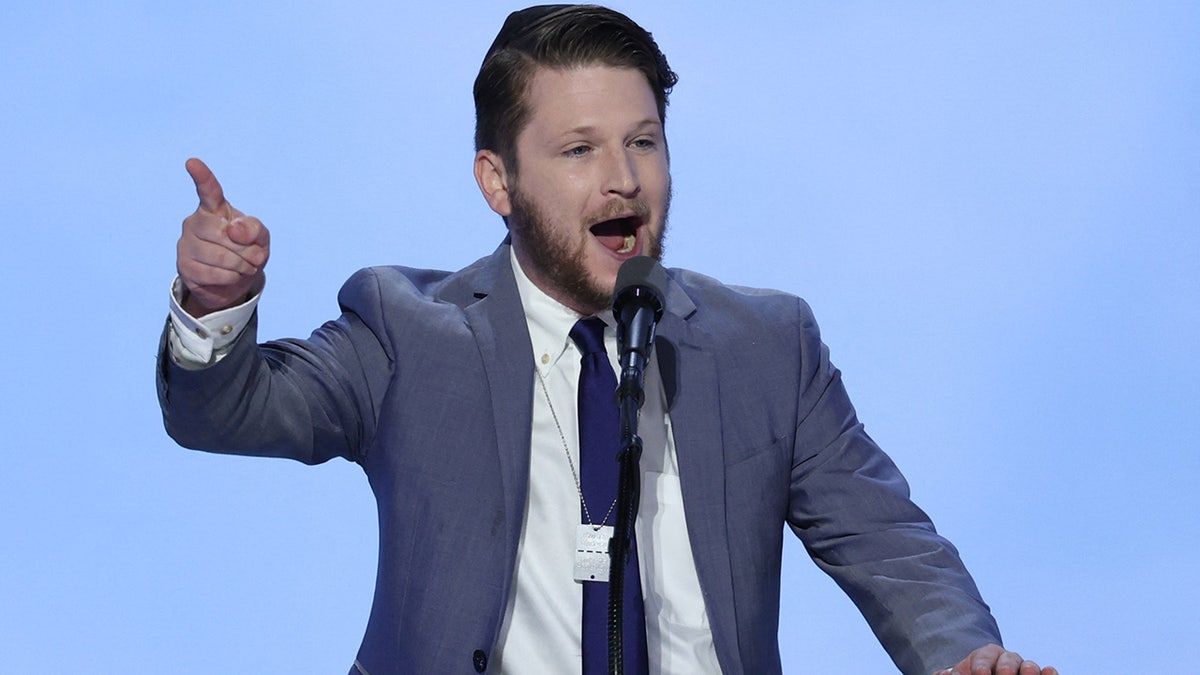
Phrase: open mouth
(618, 235)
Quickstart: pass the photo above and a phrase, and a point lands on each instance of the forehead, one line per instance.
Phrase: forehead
(596, 96)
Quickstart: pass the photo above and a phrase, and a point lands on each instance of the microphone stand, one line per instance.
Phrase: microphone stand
(629, 400)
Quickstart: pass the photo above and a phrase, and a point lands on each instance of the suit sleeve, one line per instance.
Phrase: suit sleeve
(308, 400)
(850, 506)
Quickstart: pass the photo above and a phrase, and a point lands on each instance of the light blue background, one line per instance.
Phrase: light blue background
(992, 207)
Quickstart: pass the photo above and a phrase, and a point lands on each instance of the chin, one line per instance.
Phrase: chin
(604, 277)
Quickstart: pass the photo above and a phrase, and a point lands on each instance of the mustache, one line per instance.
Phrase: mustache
(625, 208)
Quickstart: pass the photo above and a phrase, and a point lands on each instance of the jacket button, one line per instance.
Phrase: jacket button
(479, 658)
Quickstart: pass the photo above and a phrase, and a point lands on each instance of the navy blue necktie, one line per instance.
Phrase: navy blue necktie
(599, 441)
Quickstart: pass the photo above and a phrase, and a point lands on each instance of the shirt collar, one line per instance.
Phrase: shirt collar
(549, 321)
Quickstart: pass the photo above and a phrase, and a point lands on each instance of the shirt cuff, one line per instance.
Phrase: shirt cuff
(199, 342)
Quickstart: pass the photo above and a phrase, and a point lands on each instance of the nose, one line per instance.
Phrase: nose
(621, 176)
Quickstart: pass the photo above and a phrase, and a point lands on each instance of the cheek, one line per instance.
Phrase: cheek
(660, 176)
(563, 199)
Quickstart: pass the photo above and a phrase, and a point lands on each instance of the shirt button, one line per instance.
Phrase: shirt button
(202, 333)
(545, 359)
(480, 660)
(226, 329)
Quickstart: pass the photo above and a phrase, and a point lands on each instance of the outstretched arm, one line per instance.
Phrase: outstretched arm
(309, 400)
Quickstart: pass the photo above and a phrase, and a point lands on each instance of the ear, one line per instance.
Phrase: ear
(492, 179)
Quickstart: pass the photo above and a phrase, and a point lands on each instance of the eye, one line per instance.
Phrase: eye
(578, 150)
(644, 143)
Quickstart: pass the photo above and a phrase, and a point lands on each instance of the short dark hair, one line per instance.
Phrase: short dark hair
(557, 36)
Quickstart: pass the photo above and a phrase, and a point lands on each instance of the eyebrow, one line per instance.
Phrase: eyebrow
(590, 129)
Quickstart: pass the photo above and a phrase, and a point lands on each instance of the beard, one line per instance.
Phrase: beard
(561, 262)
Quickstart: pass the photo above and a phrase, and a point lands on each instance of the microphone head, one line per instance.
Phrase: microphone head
(643, 280)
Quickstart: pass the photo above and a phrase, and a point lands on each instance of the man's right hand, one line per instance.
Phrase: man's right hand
(222, 252)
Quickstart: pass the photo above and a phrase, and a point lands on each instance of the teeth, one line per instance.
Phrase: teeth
(630, 242)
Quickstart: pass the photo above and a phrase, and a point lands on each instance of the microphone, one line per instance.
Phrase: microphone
(637, 307)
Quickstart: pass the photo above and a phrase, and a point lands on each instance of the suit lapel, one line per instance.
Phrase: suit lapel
(502, 336)
(693, 398)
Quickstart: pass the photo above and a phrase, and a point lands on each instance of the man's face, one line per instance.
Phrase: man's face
(594, 183)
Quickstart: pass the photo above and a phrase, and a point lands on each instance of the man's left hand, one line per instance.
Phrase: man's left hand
(995, 660)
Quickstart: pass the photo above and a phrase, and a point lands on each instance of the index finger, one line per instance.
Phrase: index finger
(212, 197)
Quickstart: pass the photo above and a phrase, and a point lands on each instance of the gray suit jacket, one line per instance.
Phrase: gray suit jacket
(426, 381)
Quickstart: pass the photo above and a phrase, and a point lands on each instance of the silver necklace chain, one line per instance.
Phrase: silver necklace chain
(567, 449)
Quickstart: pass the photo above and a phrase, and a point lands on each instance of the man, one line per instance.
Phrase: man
(456, 393)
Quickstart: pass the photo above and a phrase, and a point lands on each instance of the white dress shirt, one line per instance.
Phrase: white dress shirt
(542, 630)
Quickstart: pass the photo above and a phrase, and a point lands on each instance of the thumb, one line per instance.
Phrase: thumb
(212, 197)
